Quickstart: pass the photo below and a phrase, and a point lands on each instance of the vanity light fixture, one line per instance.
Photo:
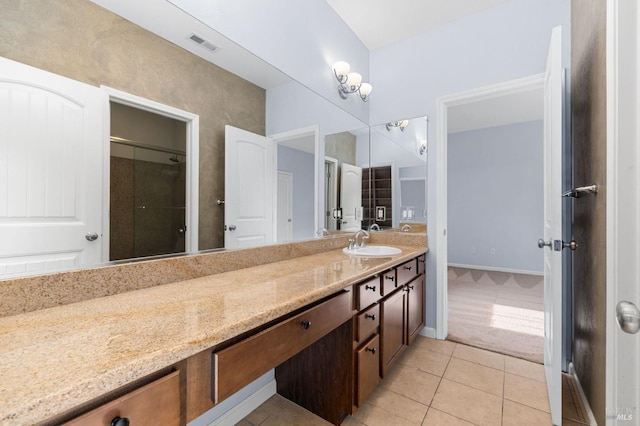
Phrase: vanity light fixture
(400, 123)
(350, 82)
(422, 146)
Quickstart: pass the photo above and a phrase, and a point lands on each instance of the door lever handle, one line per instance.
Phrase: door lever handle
(576, 192)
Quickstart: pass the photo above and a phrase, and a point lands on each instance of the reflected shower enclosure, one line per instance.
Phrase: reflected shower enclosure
(148, 185)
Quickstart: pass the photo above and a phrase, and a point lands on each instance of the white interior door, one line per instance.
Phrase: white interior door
(623, 214)
(351, 197)
(250, 189)
(553, 130)
(285, 206)
(51, 188)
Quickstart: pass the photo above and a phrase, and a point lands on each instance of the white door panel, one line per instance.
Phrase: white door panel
(51, 157)
(623, 212)
(250, 182)
(351, 197)
(285, 206)
(553, 130)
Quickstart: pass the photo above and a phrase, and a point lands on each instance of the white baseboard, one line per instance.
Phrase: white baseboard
(428, 332)
(583, 398)
(493, 268)
(241, 410)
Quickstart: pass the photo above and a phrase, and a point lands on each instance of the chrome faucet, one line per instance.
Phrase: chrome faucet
(322, 232)
(374, 227)
(405, 228)
(365, 236)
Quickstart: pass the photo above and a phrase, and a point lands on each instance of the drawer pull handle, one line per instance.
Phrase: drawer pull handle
(120, 421)
(411, 287)
(387, 277)
(370, 287)
(306, 324)
(408, 268)
(372, 350)
(370, 316)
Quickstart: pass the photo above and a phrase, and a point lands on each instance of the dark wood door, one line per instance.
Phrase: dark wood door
(415, 308)
(368, 369)
(392, 328)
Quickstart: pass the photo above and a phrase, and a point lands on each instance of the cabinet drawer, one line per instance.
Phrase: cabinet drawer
(240, 364)
(368, 293)
(368, 369)
(389, 282)
(407, 271)
(157, 403)
(367, 323)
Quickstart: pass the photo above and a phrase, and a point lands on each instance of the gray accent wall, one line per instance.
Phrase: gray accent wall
(495, 197)
(301, 165)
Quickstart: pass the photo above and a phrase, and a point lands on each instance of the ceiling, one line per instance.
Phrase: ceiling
(379, 23)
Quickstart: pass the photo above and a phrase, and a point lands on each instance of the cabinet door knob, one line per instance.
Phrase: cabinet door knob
(411, 287)
(370, 287)
(306, 324)
(372, 350)
(120, 421)
(408, 268)
(370, 316)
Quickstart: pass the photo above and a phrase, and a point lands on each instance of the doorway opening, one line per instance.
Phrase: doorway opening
(490, 273)
(151, 175)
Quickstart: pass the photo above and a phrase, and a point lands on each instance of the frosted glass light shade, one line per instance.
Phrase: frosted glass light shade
(341, 68)
(404, 123)
(365, 89)
(354, 79)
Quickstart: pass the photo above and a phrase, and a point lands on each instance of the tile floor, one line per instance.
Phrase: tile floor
(439, 383)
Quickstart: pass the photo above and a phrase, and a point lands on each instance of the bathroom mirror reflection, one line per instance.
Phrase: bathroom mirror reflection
(397, 175)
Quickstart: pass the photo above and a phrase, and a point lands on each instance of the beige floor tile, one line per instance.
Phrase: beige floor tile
(480, 356)
(515, 414)
(529, 392)
(371, 415)
(524, 368)
(441, 346)
(468, 403)
(398, 405)
(244, 422)
(477, 376)
(439, 418)
(351, 421)
(281, 411)
(421, 357)
(415, 384)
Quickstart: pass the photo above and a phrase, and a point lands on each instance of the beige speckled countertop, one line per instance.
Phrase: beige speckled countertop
(54, 359)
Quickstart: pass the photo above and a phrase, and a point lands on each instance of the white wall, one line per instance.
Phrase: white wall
(495, 197)
(502, 43)
(300, 38)
(301, 165)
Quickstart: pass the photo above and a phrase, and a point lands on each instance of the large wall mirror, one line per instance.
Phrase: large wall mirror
(328, 166)
(104, 49)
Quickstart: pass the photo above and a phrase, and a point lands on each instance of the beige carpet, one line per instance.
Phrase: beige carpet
(498, 311)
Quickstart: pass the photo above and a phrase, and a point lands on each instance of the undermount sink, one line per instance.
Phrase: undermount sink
(373, 251)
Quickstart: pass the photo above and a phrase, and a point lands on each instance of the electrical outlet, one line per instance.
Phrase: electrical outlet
(492, 251)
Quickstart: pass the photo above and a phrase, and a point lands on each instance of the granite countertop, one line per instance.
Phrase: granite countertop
(54, 359)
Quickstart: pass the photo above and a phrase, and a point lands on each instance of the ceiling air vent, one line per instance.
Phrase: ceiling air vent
(204, 43)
